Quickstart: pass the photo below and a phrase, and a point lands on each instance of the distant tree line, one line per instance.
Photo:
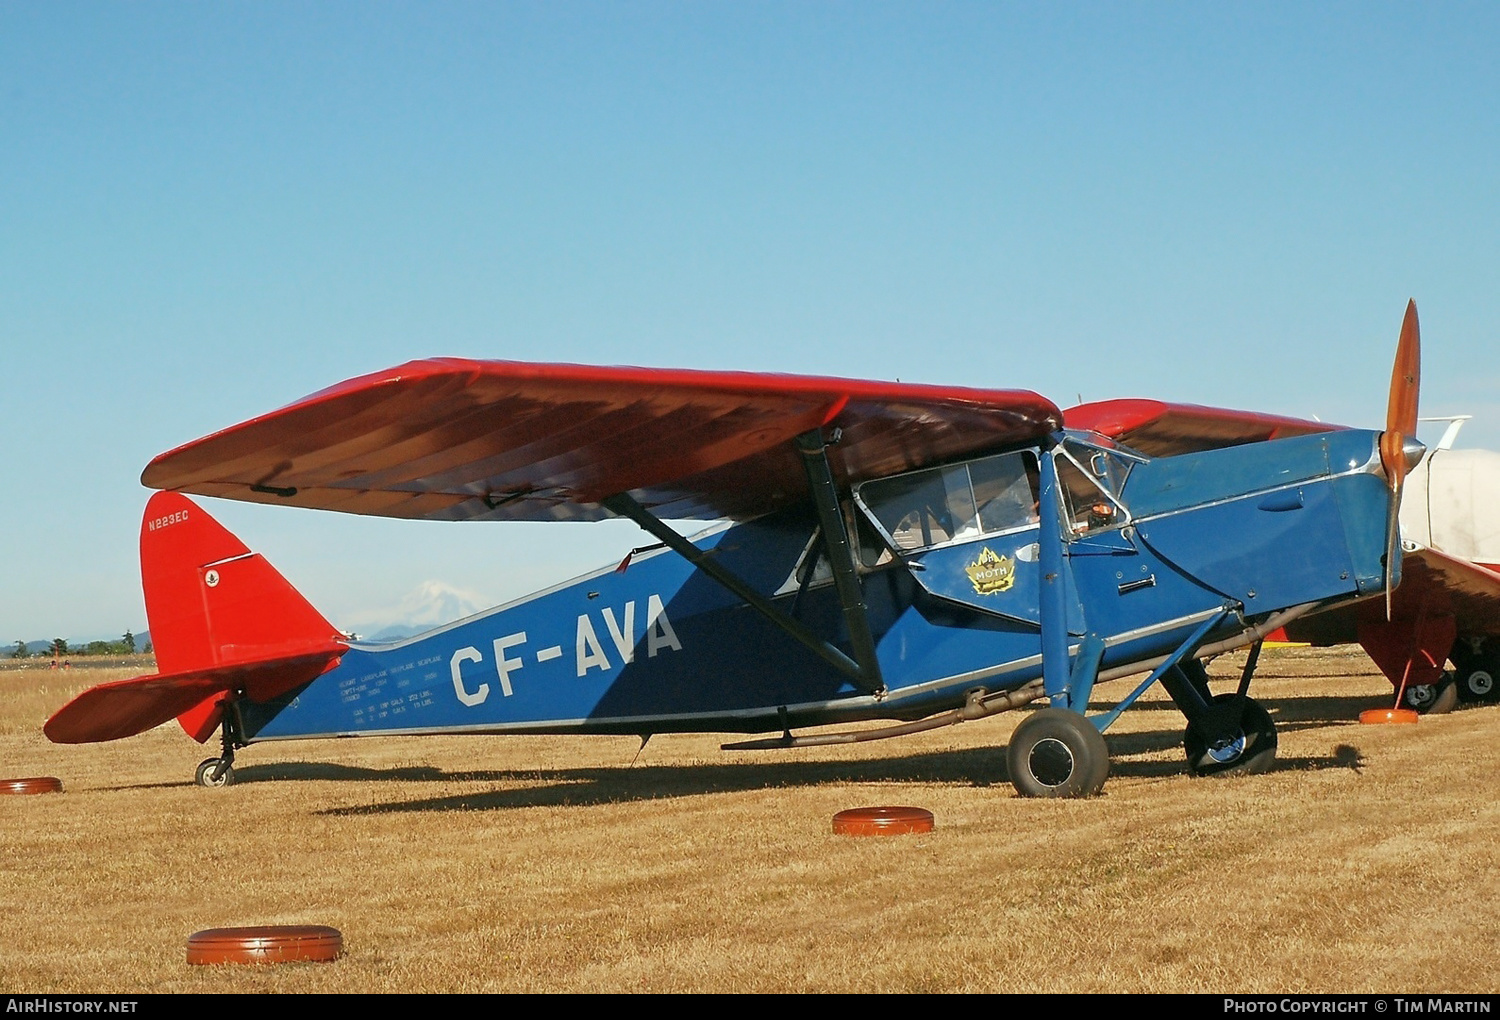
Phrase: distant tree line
(60, 648)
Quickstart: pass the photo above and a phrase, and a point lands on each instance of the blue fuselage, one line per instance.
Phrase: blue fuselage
(1231, 535)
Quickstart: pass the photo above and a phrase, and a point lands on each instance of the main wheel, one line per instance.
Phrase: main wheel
(1056, 752)
(206, 776)
(1476, 677)
(1432, 699)
(1250, 748)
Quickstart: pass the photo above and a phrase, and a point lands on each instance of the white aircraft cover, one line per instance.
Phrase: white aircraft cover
(1452, 503)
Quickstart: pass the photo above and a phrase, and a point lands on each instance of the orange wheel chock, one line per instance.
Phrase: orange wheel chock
(882, 821)
(36, 784)
(267, 943)
(1376, 716)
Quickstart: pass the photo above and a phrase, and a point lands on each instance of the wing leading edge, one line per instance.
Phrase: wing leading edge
(455, 439)
(1161, 429)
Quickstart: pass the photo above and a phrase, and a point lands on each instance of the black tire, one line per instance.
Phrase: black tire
(1251, 750)
(206, 776)
(1056, 752)
(1432, 699)
(1477, 678)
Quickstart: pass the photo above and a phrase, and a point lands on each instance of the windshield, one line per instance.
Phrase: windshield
(1091, 478)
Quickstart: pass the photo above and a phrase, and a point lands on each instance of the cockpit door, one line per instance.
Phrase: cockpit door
(968, 532)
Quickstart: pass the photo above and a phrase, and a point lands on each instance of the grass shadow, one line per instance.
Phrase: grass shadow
(977, 767)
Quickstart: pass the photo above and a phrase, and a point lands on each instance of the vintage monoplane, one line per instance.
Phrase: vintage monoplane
(916, 554)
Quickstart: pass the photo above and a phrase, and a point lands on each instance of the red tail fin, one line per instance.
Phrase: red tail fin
(209, 600)
(221, 617)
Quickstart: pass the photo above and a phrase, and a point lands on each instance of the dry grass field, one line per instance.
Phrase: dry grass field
(1367, 861)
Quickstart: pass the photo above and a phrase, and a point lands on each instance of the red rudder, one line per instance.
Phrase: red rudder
(221, 619)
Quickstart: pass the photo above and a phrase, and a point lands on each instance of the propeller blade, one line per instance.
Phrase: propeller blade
(1400, 428)
(1406, 376)
(1392, 543)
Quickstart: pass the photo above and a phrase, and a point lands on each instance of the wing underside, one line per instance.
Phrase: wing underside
(1433, 584)
(452, 439)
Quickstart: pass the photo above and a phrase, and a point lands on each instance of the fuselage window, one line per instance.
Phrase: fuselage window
(812, 567)
(1005, 491)
(956, 503)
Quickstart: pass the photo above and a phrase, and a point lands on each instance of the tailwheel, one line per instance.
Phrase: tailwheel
(1056, 752)
(213, 772)
(1247, 745)
(1432, 699)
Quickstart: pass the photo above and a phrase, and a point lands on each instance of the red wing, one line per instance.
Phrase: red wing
(1447, 585)
(453, 439)
(1160, 429)
(1432, 584)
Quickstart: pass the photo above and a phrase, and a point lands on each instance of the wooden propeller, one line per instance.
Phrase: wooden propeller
(1396, 455)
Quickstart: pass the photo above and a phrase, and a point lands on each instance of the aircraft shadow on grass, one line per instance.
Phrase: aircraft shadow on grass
(978, 767)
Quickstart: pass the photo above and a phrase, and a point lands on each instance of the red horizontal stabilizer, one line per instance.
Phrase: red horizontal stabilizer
(1160, 429)
(453, 439)
(124, 708)
(221, 619)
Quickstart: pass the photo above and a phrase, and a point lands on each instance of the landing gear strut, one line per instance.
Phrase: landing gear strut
(214, 772)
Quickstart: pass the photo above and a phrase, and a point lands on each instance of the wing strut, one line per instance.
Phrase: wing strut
(840, 555)
(863, 671)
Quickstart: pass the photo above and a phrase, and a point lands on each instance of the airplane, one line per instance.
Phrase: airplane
(1452, 529)
(1447, 609)
(920, 555)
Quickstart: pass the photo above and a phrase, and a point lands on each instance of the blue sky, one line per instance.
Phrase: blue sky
(209, 210)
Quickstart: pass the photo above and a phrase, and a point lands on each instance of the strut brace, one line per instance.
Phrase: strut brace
(863, 670)
(979, 704)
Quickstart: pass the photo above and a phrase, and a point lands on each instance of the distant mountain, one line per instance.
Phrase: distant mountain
(393, 633)
(428, 605)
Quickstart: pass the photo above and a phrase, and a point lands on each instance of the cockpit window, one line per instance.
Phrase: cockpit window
(1091, 479)
(1106, 467)
(1005, 491)
(956, 503)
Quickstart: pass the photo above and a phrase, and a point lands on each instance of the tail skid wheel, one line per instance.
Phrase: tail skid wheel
(214, 772)
(1432, 699)
(1057, 753)
(1251, 749)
